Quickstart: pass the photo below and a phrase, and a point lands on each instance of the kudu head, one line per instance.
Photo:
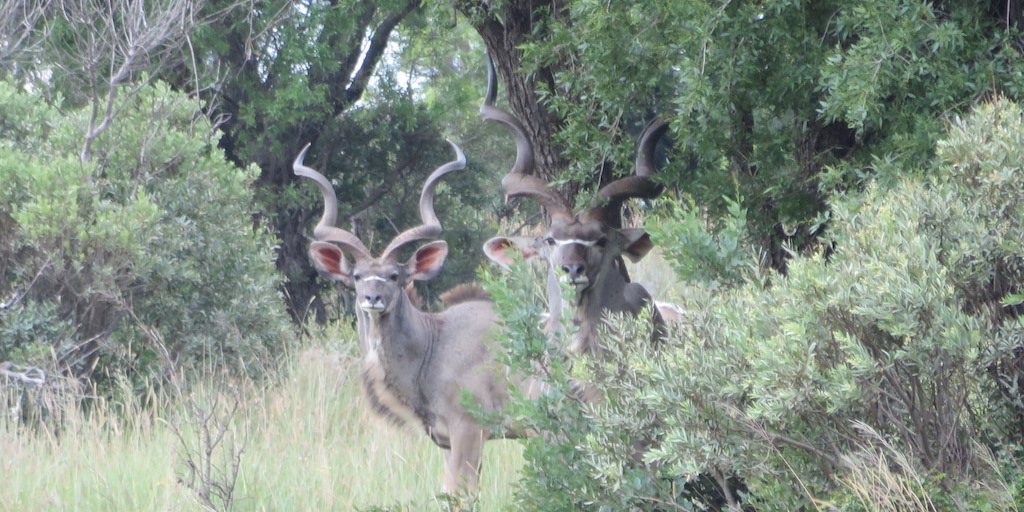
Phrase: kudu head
(378, 282)
(585, 248)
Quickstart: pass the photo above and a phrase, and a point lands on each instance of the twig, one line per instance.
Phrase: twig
(33, 375)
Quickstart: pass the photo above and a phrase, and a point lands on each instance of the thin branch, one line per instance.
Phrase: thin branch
(33, 375)
(113, 41)
(375, 51)
(21, 32)
(758, 428)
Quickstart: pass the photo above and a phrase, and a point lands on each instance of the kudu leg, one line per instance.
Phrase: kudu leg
(462, 461)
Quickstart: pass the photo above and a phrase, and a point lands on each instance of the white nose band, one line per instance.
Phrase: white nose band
(374, 278)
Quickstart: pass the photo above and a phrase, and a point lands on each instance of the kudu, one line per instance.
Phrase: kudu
(585, 248)
(416, 364)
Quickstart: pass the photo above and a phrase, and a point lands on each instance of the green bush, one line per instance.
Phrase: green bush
(881, 372)
(700, 255)
(552, 479)
(143, 258)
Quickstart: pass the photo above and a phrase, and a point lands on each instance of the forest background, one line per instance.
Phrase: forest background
(844, 219)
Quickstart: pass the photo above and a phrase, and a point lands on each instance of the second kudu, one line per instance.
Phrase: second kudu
(584, 248)
(417, 364)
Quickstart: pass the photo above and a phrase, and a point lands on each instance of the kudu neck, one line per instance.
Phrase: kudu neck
(402, 329)
(592, 303)
(604, 294)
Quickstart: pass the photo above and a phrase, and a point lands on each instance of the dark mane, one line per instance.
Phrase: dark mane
(464, 293)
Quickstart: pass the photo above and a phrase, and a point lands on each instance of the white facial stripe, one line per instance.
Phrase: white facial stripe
(374, 278)
(585, 243)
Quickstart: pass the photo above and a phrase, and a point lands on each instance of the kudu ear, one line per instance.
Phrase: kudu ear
(501, 249)
(426, 262)
(638, 243)
(330, 259)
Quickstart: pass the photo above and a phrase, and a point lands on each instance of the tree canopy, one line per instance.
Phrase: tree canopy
(774, 104)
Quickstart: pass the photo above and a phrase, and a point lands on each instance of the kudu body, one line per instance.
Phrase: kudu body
(585, 248)
(416, 364)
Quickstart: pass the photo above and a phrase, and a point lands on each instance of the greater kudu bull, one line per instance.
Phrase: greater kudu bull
(416, 364)
(585, 248)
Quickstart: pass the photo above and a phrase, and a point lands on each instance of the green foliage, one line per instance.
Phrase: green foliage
(146, 256)
(879, 373)
(764, 96)
(29, 331)
(701, 252)
(551, 477)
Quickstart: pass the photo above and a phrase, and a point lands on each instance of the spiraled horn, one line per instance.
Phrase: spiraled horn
(325, 230)
(518, 183)
(612, 195)
(431, 227)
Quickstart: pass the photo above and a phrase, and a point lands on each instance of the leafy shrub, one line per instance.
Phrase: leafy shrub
(143, 258)
(551, 479)
(891, 354)
(702, 254)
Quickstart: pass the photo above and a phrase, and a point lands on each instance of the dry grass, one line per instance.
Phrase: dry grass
(347, 457)
(96, 460)
(307, 443)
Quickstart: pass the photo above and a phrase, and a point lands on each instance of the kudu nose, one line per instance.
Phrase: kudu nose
(372, 299)
(573, 269)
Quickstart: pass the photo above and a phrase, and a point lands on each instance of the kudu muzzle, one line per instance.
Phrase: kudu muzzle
(571, 257)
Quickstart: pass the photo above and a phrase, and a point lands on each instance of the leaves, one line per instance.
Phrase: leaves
(899, 333)
(764, 97)
(151, 243)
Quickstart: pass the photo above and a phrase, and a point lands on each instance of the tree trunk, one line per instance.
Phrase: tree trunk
(503, 32)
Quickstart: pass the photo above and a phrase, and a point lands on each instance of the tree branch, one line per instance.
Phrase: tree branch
(112, 41)
(32, 375)
(374, 52)
(19, 27)
(342, 76)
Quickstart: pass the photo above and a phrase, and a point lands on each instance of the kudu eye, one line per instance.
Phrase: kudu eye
(601, 242)
(394, 277)
(549, 241)
(357, 277)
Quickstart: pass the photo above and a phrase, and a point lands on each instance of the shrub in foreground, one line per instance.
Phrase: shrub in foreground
(880, 373)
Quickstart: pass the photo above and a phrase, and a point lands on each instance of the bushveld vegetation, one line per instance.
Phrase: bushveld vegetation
(843, 220)
(307, 441)
(877, 373)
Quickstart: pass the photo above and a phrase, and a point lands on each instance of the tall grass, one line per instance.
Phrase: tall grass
(345, 457)
(306, 442)
(99, 455)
